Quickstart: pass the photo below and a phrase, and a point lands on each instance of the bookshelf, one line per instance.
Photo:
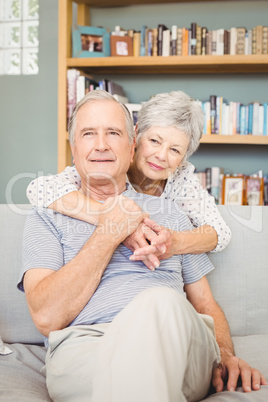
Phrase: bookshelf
(227, 64)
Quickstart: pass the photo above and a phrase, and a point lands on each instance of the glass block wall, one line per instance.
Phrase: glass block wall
(19, 37)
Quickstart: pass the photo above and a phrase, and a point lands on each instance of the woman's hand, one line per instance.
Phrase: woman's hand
(152, 244)
(148, 233)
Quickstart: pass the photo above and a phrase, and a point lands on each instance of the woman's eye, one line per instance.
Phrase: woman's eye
(154, 141)
(88, 133)
(113, 132)
(175, 150)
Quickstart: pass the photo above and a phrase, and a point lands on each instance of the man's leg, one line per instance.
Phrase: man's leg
(157, 349)
(70, 362)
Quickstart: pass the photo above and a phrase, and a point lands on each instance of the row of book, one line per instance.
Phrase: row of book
(80, 83)
(196, 40)
(236, 189)
(221, 117)
(232, 118)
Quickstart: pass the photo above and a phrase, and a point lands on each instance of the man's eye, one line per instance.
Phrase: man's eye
(88, 133)
(113, 133)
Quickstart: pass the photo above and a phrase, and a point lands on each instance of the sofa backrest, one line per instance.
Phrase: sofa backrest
(239, 282)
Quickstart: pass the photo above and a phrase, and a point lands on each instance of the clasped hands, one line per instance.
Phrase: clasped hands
(150, 243)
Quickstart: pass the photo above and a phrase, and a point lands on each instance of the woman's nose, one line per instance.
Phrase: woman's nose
(162, 153)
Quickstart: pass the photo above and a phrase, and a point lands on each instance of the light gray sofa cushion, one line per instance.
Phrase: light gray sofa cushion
(15, 321)
(239, 282)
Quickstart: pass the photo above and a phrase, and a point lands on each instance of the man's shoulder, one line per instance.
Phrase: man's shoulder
(163, 211)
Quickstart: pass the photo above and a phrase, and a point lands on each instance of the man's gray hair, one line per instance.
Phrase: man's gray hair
(174, 109)
(100, 95)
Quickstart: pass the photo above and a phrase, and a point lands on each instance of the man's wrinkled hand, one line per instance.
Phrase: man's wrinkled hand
(149, 237)
(231, 369)
(161, 244)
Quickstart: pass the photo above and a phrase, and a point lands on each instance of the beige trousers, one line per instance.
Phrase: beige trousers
(158, 349)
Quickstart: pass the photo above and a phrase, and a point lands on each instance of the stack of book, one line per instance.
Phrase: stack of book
(229, 118)
(80, 83)
(196, 40)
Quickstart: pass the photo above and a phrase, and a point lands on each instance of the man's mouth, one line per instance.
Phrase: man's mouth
(101, 160)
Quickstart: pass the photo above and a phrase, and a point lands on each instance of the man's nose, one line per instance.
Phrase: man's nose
(101, 143)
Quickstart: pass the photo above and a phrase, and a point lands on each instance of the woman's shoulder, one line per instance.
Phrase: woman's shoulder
(184, 171)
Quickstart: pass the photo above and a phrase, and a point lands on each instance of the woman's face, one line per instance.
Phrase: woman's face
(160, 151)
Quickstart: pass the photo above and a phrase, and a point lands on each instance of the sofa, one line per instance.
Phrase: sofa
(239, 284)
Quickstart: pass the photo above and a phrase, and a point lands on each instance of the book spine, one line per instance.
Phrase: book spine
(136, 43)
(233, 41)
(265, 118)
(254, 40)
(259, 39)
(241, 34)
(174, 37)
(142, 41)
(179, 42)
(154, 41)
(214, 43)
(184, 41)
(212, 99)
(166, 43)
(193, 38)
(220, 42)
(198, 40)
(265, 40)
(204, 31)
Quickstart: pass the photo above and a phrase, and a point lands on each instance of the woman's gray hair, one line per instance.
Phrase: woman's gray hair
(99, 95)
(174, 109)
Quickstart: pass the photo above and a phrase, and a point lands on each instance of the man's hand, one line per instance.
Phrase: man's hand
(161, 243)
(230, 369)
(120, 217)
(141, 238)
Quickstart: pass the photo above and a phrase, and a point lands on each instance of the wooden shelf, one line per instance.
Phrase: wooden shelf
(116, 3)
(172, 64)
(235, 139)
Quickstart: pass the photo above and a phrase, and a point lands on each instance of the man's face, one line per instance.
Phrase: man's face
(101, 149)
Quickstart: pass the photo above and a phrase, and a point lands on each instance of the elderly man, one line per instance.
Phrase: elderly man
(116, 330)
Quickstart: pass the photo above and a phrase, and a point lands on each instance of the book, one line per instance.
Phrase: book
(154, 42)
(259, 31)
(265, 40)
(255, 118)
(226, 42)
(241, 37)
(174, 36)
(193, 38)
(233, 40)
(204, 31)
(198, 40)
(179, 41)
(136, 43)
(215, 187)
(161, 28)
(142, 40)
(72, 75)
(212, 99)
(220, 42)
(185, 37)
(254, 40)
(166, 43)
(214, 42)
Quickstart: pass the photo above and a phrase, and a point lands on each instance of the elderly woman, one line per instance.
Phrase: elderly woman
(168, 131)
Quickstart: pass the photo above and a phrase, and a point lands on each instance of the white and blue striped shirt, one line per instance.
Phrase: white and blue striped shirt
(51, 240)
